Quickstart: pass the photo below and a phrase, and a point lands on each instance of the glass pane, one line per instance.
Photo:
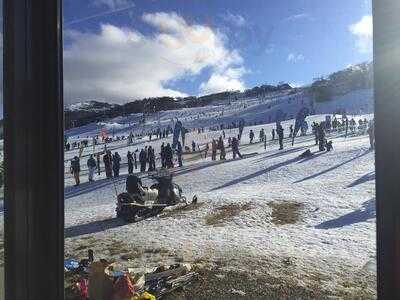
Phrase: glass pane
(236, 137)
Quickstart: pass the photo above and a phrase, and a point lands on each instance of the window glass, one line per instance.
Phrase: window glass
(223, 147)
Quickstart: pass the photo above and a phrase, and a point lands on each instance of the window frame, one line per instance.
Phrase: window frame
(34, 197)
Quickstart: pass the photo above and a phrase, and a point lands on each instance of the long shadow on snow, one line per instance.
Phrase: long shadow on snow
(315, 155)
(93, 227)
(87, 187)
(333, 168)
(197, 167)
(281, 153)
(366, 212)
(365, 178)
(258, 173)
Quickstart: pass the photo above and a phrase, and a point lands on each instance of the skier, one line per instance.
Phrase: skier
(107, 159)
(235, 148)
(221, 148)
(279, 131)
(291, 131)
(214, 150)
(273, 133)
(91, 164)
(223, 134)
(251, 136)
(179, 153)
(98, 163)
(129, 156)
(371, 134)
(193, 146)
(116, 164)
(143, 160)
(75, 169)
(347, 126)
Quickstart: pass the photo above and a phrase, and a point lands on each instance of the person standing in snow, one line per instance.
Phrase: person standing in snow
(214, 150)
(135, 158)
(116, 164)
(183, 134)
(143, 160)
(273, 134)
(371, 134)
(193, 146)
(241, 127)
(75, 169)
(221, 148)
(262, 135)
(206, 150)
(179, 153)
(107, 159)
(321, 137)
(279, 131)
(91, 164)
(98, 163)
(291, 131)
(315, 132)
(235, 148)
(251, 136)
(169, 156)
(223, 134)
(162, 155)
(129, 156)
(152, 159)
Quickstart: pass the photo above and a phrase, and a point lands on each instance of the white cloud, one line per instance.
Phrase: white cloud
(113, 4)
(229, 79)
(120, 64)
(236, 20)
(294, 58)
(363, 32)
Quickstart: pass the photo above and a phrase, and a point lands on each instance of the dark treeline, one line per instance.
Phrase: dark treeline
(341, 82)
(99, 111)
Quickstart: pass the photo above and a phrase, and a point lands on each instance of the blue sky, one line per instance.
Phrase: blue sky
(121, 50)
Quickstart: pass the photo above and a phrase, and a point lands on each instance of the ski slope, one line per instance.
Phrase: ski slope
(334, 236)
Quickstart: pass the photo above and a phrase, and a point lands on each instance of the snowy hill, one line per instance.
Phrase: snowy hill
(298, 220)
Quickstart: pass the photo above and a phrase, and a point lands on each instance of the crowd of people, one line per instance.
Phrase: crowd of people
(145, 159)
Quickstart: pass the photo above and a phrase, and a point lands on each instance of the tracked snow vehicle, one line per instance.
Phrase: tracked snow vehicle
(141, 202)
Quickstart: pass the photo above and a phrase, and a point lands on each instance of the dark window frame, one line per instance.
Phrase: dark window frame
(33, 116)
(34, 158)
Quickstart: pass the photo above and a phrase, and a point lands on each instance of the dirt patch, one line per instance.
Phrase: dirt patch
(226, 213)
(117, 248)
(285, 212)
(179, 211)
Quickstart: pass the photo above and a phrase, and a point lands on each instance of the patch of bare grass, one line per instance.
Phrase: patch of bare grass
(226, 213)
(285, 212)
